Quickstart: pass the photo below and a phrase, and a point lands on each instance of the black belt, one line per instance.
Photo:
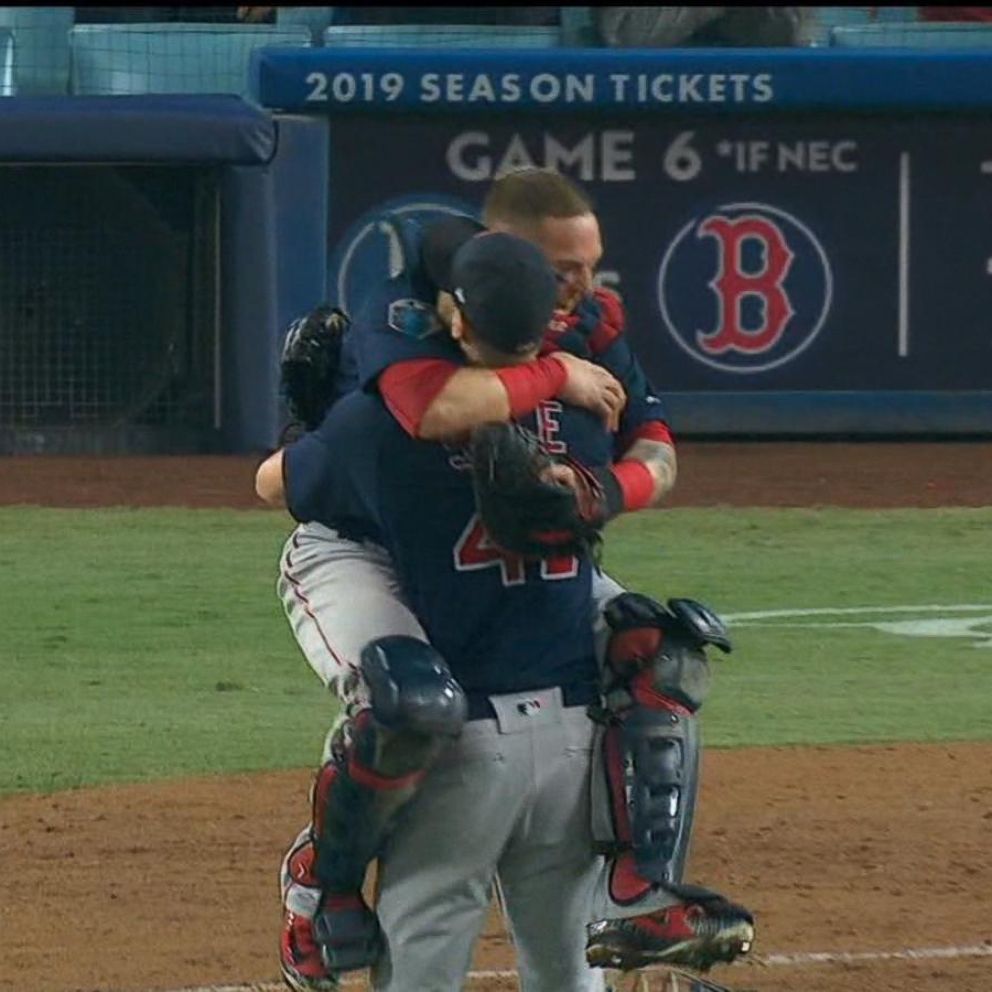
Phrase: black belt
(574, 694)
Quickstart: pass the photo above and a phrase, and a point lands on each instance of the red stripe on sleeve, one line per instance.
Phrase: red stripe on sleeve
(408, 388)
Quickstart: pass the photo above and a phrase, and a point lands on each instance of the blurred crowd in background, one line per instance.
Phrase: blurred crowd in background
(614, 26)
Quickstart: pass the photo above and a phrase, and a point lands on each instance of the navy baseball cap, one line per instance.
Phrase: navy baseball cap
(506, 288)
(441, 241)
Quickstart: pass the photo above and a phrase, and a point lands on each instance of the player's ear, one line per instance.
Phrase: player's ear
(464, 336)
(445, 307)
(460, 327)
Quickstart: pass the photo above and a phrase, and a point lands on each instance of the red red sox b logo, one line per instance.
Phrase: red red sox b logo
(768, 293)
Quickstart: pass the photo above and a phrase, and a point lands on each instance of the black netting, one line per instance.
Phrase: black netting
(106, 297)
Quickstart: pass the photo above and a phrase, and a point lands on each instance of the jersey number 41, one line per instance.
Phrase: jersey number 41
(475, 550)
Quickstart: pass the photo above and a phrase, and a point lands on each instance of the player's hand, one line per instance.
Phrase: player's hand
(560, 474)
(591, 387)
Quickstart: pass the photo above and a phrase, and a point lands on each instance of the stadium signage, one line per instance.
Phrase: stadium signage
(512, 88)
(346, 79)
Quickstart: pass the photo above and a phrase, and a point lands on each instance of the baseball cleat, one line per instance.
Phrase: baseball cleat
(692, 935)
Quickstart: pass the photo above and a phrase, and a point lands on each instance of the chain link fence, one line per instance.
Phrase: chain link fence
(106, 303)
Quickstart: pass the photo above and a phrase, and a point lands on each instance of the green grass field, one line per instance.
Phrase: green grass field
(143, 644)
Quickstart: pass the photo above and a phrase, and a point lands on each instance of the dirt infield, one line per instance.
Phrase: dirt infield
(848, 851)
(710, 474)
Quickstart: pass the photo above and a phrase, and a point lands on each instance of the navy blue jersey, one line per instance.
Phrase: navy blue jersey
(595, 330)
(644, 406)
(396, 319)
(346, 374)
(503, 624)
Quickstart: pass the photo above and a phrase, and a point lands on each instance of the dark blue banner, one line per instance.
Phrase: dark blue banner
(771, 257)
(336, 80)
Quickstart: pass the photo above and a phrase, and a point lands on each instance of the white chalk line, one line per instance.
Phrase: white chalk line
(768, 960)
(846, 957)
(852, 611)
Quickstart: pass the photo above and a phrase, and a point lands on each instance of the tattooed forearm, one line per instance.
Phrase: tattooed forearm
(661, 462)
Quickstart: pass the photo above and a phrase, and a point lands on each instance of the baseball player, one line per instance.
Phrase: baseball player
(509, 797)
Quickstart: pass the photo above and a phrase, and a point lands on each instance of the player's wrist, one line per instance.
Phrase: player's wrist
(532, 383)
(612, 494)
(628, 485)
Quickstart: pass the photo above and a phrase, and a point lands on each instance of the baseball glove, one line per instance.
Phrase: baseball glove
(311, 354)
(524, 508)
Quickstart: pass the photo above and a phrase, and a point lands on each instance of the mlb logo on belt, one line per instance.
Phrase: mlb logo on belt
(745, 287)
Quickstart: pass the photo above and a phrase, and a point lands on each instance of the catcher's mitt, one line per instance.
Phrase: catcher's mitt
(311, 354)
(523, 508)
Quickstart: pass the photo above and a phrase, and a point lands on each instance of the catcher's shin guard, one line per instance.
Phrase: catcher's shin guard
(378, 760)
(377, 765)
(647, 780)
(651, 763)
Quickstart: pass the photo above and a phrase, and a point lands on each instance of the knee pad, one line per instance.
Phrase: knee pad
(411, 688)
(655, 649)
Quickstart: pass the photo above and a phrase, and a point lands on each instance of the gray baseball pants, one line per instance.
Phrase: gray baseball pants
(507, 802)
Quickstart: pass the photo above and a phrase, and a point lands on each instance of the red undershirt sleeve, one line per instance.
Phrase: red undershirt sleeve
(408, 389)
